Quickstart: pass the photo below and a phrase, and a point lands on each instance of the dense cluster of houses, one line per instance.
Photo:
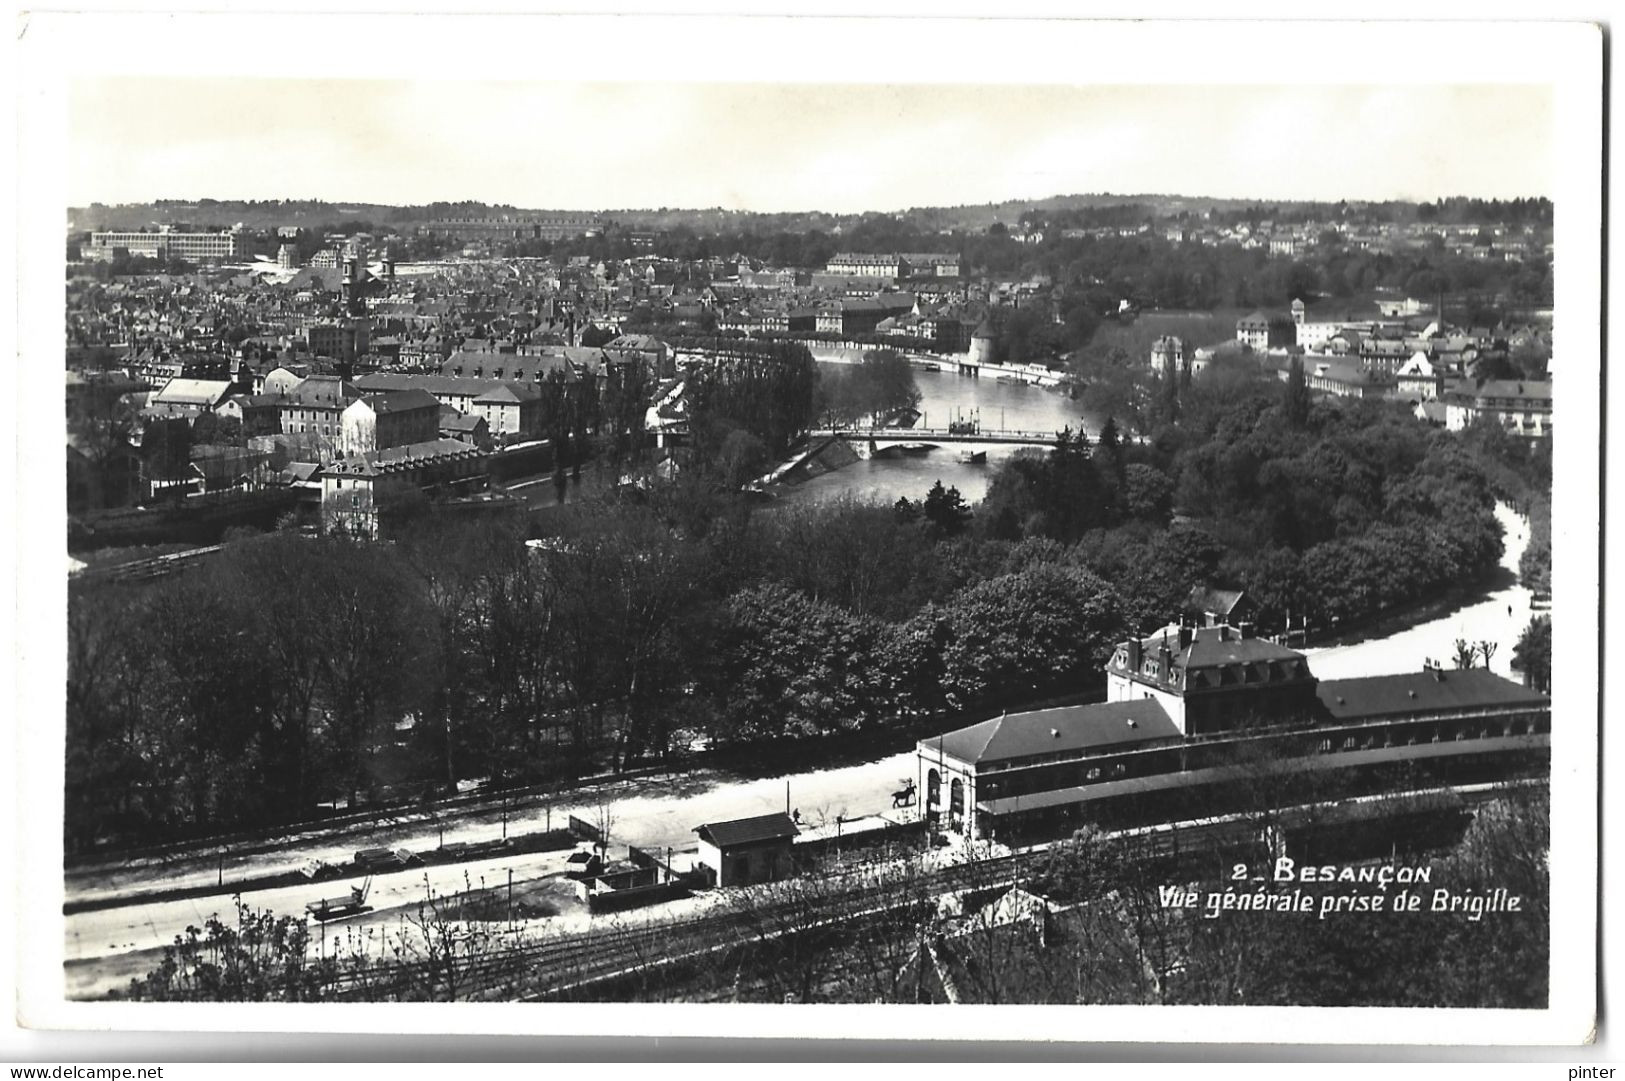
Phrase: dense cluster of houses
(1397, 350)
(1490, 242)
(332, 380)
(295, 362)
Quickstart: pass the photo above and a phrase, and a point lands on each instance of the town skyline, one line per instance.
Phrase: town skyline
(933, 146)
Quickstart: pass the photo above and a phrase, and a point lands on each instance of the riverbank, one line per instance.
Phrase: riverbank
(945, 398)
(1035, 375)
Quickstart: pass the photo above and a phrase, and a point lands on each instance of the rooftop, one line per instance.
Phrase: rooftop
(510, 393)
(1059, 730)
(1512, 388)
(192, 392)
(1203, 600)
(402, 458)
(1163, 782)
(1212, 646)
(323, 390)
(401, 401)
(1420, 692)
(748, 831)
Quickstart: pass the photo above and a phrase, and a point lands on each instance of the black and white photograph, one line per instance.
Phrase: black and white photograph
(860, 513)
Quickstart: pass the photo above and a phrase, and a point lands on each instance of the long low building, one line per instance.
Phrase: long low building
(1520, 407)
(1189, 704)
(163, 244)
(561, 225)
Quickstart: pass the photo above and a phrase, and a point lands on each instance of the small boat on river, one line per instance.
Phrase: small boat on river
(973, 457)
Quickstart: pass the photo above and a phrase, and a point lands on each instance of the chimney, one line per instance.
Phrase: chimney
(1184, 636)
(1244, 629)
(1134, 654)
(1224, 632)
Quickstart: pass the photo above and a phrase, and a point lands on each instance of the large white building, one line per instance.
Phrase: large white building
(164, 244)
(865, 265)
(1521, 408)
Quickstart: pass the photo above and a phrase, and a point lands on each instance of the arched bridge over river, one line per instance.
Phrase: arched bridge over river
(893, 436)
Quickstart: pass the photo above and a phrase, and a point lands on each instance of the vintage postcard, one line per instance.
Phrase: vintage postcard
(1093, 519)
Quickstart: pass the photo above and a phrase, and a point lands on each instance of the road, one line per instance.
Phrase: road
(663, 813)
(1498, 616)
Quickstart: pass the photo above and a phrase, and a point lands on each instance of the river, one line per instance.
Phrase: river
(946, 397)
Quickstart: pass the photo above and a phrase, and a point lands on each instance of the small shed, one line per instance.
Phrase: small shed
(747, 850)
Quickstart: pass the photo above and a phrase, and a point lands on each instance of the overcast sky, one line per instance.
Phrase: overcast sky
(794, 147)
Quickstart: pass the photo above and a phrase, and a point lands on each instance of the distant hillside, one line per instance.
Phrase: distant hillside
(262, 213)
(1057, 210)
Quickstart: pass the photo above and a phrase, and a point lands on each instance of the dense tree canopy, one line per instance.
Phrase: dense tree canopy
(293, 670)
(881, 384)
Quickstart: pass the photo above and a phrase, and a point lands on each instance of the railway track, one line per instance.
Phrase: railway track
(558, 967)
(565, 965)
(143, 570)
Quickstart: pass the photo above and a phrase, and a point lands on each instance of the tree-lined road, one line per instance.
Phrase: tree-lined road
(1499, 617)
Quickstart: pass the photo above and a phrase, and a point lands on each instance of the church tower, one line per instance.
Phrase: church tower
(357, 336)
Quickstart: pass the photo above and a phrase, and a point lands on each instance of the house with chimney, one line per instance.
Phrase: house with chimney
(1190, 707)
(316, 406)
(389, 419)
(1262, 331)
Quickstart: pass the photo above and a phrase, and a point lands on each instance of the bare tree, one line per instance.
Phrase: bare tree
(604, 823)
